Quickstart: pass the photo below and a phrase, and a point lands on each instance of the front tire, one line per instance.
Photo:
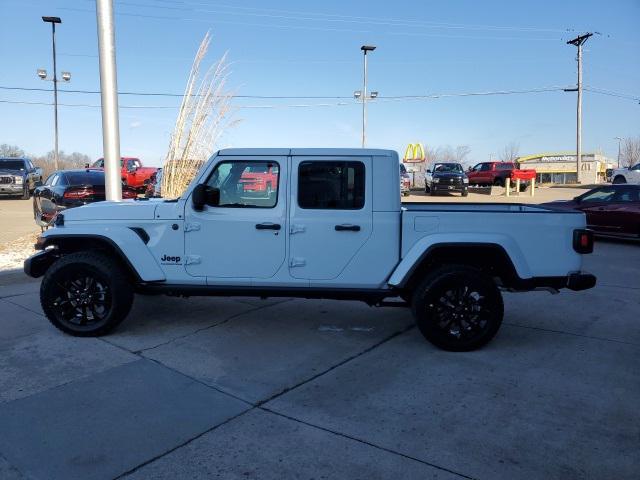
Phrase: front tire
(458, 308)
(26, 195)
(86, 294)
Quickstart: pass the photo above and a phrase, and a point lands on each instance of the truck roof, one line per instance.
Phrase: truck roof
(338, 152)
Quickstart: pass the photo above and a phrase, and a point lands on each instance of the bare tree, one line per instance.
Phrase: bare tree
(630, 151)
(11, 151)
(510, 153)
(447, 153)
(203, 116)
(66, 161)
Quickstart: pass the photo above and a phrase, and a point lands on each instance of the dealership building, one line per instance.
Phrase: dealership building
(560, 168)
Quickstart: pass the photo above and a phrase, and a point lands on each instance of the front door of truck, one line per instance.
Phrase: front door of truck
(244, 236)
(330, 214)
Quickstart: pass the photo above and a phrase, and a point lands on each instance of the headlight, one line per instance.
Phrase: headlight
(17, 180)
(465, 180)
(435, 180)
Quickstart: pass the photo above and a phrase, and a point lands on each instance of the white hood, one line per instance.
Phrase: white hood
(125, 210)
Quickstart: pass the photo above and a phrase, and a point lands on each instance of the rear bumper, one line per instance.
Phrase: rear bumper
(574, 281)
(581, 281)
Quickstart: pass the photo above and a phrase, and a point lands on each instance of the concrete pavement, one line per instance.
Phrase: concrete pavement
(246, 388)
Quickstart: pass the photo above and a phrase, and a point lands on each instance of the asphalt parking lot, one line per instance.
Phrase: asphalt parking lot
(288, 388)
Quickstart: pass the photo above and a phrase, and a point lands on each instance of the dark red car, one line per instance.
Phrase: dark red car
(70, 188)
(610, 209)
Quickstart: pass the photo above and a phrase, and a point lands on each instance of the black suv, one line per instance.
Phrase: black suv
(446, 177)
(18, 176)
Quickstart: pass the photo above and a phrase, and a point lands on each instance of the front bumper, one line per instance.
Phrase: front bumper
(448, 187)
(37, 264)
(11, 189)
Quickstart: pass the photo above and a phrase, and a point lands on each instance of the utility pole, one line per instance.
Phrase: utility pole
(578, 42)
(109, 98)
(619, 140)
(53, 21)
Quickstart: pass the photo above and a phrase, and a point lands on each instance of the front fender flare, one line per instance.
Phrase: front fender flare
(124, 241)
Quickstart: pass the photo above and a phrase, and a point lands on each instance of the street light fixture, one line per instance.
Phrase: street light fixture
(363, 95)
(43, 75)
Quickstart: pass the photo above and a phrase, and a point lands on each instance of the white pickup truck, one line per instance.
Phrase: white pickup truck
(332, 226)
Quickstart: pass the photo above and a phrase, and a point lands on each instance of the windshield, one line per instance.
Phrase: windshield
(447, 168)
(12, 164)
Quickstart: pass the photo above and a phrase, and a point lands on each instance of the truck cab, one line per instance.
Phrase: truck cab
(331, 227)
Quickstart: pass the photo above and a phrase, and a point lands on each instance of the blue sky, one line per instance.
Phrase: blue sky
(295, 48)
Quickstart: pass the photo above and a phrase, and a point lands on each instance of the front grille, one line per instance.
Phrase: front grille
(6, 180)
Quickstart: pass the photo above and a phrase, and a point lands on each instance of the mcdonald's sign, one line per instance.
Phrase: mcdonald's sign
(414, 153)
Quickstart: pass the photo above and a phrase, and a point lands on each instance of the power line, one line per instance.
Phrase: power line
(155, 94)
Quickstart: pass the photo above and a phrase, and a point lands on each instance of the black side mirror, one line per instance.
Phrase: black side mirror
(429, 171)
(205, 195)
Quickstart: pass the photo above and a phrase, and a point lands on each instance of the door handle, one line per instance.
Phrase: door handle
(347, 228)
(268, 226)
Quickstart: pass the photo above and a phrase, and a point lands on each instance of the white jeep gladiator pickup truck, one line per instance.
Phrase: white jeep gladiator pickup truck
(332, 226)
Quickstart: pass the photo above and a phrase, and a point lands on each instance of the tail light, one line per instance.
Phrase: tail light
(583, 241)
(79, 193)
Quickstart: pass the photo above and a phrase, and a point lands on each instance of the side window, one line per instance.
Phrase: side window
(485, 167)
(49, 179)
(246, 183)
(636, 167)
(600, 195)
(331, 185)
(626, 195)
(476, 168)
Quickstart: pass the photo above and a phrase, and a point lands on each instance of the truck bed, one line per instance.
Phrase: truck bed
(525, 232)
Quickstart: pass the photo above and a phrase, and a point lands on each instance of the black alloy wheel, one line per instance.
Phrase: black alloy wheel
(86, 294)
(458, 308)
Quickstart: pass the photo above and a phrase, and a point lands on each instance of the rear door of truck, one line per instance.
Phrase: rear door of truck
(330, 214)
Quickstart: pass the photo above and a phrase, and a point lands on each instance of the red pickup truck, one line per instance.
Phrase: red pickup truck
(260, 180)
(133, 173)
(491, 173)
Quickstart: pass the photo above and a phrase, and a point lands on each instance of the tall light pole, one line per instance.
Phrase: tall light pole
(619, 140)
(578, 42)
(365, 49)
(53, 21)
(109, 98)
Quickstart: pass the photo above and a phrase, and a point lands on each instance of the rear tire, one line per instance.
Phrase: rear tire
(498, 183)
(458, 308)
(619, 179)
(86, 294)
(465, 193)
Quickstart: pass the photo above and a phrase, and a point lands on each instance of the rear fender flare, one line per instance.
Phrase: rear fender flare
(426, 246)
